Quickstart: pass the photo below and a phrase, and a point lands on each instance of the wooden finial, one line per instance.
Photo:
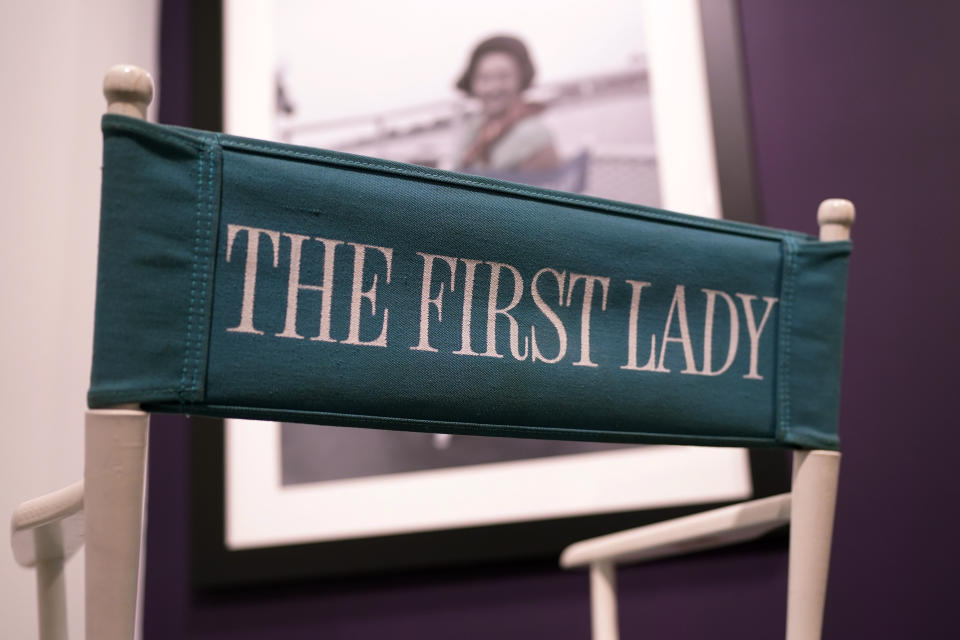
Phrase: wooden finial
(835, 217)
(128, 90)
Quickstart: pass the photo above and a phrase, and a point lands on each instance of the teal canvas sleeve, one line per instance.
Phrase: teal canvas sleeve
(243, 278)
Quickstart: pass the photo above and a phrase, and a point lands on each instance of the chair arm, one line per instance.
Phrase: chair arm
(716, 528)
(62, 508)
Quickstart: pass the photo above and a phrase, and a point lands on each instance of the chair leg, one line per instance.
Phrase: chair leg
(815, 475)
(603, 601)
(113, 507)
(51, 589)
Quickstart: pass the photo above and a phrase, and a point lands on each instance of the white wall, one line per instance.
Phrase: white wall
(53, 54)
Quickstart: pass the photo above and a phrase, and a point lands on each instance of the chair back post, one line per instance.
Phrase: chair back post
(128, 90)
(114, 459)
(815, 475)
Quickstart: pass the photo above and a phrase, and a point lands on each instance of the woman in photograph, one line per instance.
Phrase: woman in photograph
(507, 135)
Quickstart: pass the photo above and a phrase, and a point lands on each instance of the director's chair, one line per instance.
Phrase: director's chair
(459, 305)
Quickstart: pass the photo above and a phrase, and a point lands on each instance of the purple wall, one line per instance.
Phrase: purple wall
(861, 99)
(851, 99)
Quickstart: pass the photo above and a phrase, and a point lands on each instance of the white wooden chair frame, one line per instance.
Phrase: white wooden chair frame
(809, 510)
(109, 502)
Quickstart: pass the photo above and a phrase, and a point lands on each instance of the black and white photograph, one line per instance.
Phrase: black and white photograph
(541, 93)
(505, 92)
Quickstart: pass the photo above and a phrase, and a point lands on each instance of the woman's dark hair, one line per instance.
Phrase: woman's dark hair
(506, 44)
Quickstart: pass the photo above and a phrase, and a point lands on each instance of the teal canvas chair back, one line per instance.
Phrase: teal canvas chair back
(252, 279)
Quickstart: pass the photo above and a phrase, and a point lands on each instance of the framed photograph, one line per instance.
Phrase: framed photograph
(634, 101)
